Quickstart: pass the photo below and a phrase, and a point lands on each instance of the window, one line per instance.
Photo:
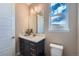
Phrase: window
(58, 17)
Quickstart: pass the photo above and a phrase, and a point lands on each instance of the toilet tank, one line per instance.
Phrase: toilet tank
(56, 50)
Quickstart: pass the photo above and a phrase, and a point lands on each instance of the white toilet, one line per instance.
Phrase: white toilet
(56, 50)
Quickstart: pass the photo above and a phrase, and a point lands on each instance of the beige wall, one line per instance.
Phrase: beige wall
(68, 39)
(32, 22)
(21, 20)
(78, 31)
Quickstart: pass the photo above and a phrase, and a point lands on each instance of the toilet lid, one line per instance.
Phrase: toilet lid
(56, 46)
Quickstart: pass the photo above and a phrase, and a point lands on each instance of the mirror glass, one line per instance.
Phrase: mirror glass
(37, 21)
(40, 23)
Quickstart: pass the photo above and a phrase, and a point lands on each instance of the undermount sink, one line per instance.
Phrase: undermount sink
(36, 38)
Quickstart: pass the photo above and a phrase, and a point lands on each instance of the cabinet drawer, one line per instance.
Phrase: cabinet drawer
(32, 45)
(32, 54)
(32, 49)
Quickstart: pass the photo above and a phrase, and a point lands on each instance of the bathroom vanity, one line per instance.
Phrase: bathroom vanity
(32, 45)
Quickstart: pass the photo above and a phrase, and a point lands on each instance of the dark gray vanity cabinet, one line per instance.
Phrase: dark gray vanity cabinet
(29, 48)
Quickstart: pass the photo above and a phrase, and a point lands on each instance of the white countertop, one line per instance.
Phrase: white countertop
(32, 38)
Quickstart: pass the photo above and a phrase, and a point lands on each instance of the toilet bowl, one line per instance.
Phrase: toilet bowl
(56, 50)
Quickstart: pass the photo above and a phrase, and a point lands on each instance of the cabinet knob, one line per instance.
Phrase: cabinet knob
(32, 44)
(32, 54)
(32, 49)
(13, 37)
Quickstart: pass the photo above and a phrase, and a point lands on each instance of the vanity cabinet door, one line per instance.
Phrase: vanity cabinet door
(29, 48)
(21, 46)
(24, 47)
(40, 48)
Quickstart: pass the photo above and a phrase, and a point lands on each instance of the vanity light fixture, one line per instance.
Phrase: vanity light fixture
(36, 9)
(28, 4)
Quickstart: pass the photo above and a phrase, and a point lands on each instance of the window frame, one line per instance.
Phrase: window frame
(55, 28)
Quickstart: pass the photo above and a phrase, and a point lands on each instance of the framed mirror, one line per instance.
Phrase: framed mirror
(37, 19)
